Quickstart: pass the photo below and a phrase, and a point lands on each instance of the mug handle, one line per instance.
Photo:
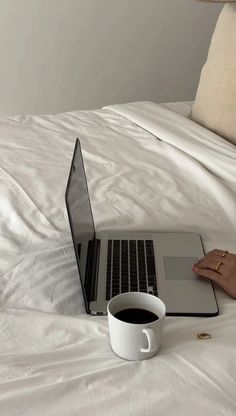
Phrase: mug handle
(152, 343)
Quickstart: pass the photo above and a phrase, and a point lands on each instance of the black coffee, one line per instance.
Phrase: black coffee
(136, 316)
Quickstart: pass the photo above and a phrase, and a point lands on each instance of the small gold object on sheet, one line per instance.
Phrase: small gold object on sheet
(203, 336)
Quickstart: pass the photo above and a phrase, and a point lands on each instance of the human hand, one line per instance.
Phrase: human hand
(219, 266)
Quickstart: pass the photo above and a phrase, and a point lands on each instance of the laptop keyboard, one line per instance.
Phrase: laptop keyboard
(130, 267)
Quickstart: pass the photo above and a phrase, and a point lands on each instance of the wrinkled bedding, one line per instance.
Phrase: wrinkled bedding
(148, 167)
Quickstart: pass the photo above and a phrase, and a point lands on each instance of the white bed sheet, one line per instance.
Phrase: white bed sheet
(149, 168)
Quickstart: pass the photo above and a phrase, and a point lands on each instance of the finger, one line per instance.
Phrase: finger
(211, 254)
(206, 258)
(218, 252)
(212, 264)
(208, 273)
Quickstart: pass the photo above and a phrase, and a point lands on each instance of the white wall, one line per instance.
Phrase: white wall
(60, 55)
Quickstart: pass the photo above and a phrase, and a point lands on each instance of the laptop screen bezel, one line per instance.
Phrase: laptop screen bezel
(77, 145)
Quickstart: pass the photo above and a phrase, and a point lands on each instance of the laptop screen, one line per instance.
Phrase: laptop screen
(80, 215)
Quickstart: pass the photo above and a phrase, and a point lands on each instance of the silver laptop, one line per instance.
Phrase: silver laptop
(110, 263)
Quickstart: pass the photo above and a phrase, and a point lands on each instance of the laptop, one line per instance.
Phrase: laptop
(110, 263)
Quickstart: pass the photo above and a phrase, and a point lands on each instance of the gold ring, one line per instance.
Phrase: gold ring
(218, 265)
(224, 253)
(204, 335)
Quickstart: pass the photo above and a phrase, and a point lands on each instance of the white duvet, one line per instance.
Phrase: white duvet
(148, 168)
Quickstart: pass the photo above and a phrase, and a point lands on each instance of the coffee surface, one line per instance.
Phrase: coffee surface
(136, 316)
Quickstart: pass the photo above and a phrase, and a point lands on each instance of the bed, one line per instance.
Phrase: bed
(149, 167)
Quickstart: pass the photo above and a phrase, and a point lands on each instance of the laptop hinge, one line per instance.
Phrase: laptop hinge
(91, 273)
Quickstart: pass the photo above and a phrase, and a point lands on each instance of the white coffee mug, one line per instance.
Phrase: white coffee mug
(135, 341)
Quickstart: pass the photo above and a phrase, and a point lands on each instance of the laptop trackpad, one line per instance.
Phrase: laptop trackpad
(179, 268)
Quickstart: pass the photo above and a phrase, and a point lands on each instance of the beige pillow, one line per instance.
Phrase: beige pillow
(215, 102)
